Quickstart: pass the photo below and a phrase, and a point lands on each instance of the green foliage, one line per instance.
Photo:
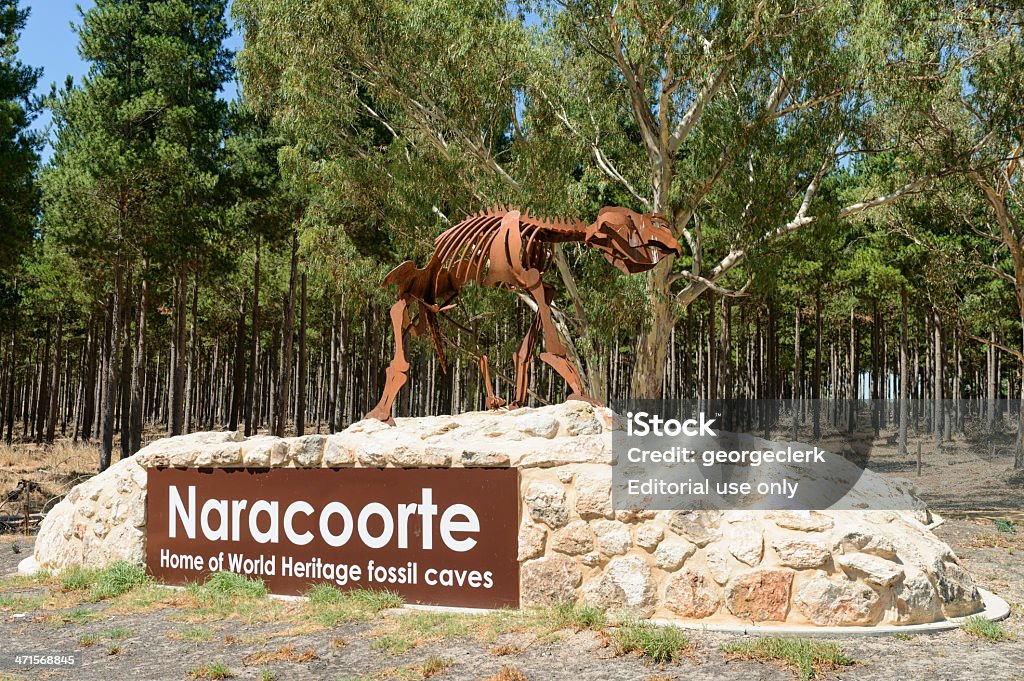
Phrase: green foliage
(331, 606)
(983, 627)
(213, 670)
(228, 585)
(78, 578)
(579, 616)
(18, 144)
(116, 579)
(434, 665)
(807, 657)
(660, 644)
(194, 634)
(1004, 525)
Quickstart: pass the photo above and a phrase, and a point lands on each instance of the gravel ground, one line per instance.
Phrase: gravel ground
(148, 644)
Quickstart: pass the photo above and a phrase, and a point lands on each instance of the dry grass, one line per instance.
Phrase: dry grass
(507, 673)
(507, 649)
(286, 653)
(55, 468)
(997, 541)
(434, 665)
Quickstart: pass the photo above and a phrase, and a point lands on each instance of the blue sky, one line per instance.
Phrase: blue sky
(49, 42)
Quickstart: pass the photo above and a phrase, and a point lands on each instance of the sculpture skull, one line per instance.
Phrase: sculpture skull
(631, 241)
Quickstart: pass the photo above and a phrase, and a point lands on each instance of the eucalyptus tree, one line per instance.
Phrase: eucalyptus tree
(961, 99)
(727, 117)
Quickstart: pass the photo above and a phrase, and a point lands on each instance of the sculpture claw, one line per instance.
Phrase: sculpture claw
(382, 416)
(579, 397)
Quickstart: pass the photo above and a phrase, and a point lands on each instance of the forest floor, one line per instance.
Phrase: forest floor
(142, 631)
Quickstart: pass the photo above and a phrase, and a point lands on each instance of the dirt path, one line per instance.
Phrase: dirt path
(167, 637)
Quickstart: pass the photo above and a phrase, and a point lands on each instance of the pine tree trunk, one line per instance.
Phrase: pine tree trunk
(937, 389)
(109, 369)
(191, 393)
(176, 384)
(238, 367)
(287, 343)
(42, 402)
(852, 360)
(254, 345)
(990, 383)
(51, 424)
(89, 397)
(125, 371)
(138, 388)
(9, 409)
(300, 388)
(904, 374)
(795, 391)
(816, 380)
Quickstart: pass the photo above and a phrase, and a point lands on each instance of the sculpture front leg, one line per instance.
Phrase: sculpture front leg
(493, 401)
(555, 355)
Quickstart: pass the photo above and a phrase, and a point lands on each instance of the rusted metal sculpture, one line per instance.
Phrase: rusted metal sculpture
(506, 248)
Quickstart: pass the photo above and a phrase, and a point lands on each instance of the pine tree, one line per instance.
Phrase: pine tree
(133, 183)
(18, 145)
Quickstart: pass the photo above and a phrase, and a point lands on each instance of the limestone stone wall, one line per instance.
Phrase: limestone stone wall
(820, 568)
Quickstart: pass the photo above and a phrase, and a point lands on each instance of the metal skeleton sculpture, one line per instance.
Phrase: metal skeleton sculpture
(505, 248)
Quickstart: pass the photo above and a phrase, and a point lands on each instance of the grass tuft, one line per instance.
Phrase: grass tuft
(117, 633)
(393, 644)
(330, 606)
(505, 649)
(660, 644)
(575, 616)
(809, 659)
(78, 578)
(215, 670)
(375, 601)
(982, 627)
(116, 579)
(286, 653)
(221, 585)
(227, 595)
(193, 634)
(1004, 525)
(507, 673)
(434, 665)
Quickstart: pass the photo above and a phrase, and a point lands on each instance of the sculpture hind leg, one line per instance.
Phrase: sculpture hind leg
(396, 374)
(554, 354)
(523, 359)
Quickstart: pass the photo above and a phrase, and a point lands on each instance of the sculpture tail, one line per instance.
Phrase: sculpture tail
(435, 335)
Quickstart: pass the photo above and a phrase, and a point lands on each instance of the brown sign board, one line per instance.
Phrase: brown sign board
(434, 536)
